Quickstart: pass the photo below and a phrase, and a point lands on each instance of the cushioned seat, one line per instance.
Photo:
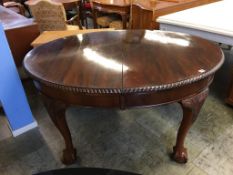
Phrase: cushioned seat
(116, 24)
(104, 21)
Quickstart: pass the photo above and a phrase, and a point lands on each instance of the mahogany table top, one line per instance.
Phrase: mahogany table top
(123, 61)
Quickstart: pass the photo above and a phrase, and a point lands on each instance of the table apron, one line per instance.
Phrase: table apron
(124, 100)
(167, 96)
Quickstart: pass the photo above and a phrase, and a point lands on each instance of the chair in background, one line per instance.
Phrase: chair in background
(112, 11)
(51, 16)
(103, 20)
(116, 24)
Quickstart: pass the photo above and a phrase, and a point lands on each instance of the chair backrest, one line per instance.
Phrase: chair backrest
(50, 16)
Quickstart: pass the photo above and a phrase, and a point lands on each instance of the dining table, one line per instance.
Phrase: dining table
(124, 69)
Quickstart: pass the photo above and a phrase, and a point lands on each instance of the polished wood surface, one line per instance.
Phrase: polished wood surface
(155, 44)
(123, 69)
(145, 12)
(121, 7)
(20, 32)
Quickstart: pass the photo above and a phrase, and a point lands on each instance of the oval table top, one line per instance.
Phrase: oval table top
(123, 61)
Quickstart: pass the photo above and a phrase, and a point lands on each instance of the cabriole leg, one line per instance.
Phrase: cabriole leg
(191, 107)
(56, 110)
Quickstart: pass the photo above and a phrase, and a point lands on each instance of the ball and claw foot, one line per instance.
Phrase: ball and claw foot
(69, 156)
(179, 155)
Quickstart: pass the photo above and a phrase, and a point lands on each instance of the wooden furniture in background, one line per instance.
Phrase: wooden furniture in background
(51, 16)
(48, 36)
(14, 6)
(69, 5)
(121, 7)
(144, 12)
(133, 69)
(20, 32)
(196, 21)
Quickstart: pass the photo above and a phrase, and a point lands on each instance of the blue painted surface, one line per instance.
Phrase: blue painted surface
(12, 95)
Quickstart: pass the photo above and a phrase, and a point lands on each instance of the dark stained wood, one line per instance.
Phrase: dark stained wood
(191, 107)
(121, 7)
(145, 12)
(20, 32)
(123, 69)
(57, 110)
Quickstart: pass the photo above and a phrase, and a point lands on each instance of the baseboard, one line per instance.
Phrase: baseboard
(24, 129)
